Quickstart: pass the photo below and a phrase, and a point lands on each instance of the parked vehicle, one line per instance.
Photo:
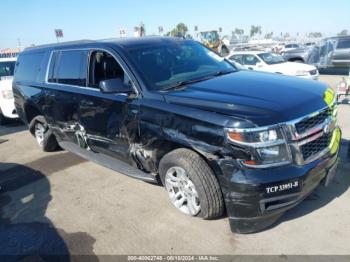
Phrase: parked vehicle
(268, 62)
(289, 47)
(212, 40)
(219, 138)
(7, 106)
(330, 52)
(300, 55)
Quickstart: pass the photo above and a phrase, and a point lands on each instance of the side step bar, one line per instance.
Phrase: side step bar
(108, 162)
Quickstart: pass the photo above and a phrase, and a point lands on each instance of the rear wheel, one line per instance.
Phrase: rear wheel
(43, 135)
(298, 61)
(191, 184)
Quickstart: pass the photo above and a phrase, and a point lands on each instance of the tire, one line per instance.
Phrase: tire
(3, 120)
(202, 183)
(42, 133)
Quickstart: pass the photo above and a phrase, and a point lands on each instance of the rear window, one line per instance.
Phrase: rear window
(69, 67)
(28, 66)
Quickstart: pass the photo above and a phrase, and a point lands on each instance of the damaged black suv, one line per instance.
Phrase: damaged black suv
(219, 139)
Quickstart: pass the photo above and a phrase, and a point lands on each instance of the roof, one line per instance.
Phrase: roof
(122, 42)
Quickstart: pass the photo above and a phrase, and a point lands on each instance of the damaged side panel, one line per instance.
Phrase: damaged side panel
(164, 127)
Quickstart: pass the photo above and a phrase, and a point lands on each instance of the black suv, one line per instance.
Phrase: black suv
(218, 138)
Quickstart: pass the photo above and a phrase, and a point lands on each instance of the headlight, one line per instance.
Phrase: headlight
(267, 147)
(301, 73)
(7, 94)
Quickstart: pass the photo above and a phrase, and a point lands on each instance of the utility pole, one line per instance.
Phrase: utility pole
(19, 43)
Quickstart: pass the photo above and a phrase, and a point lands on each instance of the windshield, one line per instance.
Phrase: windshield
(271, 59)
(171, 63)
(7, 68)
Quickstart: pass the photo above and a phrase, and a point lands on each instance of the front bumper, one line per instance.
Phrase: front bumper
(255, 199)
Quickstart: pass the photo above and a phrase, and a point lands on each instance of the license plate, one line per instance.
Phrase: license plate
(330, 174)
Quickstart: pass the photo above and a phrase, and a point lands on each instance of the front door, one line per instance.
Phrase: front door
(108, 122)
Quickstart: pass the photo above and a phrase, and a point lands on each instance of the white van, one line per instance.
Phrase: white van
(7, 106)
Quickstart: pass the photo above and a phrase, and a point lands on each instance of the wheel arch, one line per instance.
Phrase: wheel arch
(296, 59)
(31, 112)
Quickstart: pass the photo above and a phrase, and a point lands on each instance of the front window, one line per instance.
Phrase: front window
(7, 68)
(271, 59)
(171, 63)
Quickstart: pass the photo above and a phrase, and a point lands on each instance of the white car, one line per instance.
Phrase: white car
(268, 62)
(7, 106)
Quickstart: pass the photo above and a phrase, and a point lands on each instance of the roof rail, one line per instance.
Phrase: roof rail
(85, 41)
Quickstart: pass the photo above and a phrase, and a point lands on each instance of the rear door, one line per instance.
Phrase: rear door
(67, 77)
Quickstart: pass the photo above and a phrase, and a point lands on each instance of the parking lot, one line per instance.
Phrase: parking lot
(67, 204)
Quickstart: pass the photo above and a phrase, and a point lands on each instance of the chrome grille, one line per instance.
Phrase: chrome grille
(311, 122)
(312, 135)
(315, 146)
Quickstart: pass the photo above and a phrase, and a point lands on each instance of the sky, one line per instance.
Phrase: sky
(34, 21)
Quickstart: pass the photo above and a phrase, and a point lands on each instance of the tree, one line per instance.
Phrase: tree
(255, 30)
(286, 35)
(269, 35)
(142, 29)
(238, 31)
(315, 34)
(343, 32)
(180, 31)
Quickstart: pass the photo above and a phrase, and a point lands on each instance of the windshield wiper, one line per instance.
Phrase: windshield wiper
(224, 72)
(181, 84)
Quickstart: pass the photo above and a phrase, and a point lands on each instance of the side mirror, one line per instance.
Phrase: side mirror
(115, 85)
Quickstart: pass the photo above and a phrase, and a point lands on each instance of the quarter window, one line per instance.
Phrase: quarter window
(236, 58)
(28, 66)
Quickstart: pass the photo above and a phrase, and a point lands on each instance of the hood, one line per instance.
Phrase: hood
(290, 68)
(261, 98)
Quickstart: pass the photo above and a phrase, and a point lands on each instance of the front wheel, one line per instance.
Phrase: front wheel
(191, 184)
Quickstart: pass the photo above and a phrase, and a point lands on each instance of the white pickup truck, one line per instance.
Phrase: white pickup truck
(7, 107)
